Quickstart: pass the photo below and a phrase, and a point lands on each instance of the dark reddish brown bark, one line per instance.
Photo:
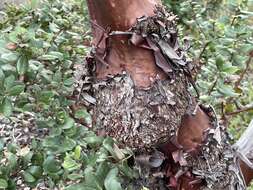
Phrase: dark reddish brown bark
(247, 173)
(191, 131)
(120, 16)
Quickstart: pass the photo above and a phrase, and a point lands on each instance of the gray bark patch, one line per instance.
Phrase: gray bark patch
(140, 118)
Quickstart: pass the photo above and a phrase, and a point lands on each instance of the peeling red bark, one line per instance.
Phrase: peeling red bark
(191, 131)
(191, 135)
(123, 56)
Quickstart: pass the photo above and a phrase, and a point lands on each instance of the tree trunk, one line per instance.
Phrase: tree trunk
(120, 16)
(139, 104)
(141, 82)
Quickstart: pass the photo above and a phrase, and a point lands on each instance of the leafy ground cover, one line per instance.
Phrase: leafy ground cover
(45, 142)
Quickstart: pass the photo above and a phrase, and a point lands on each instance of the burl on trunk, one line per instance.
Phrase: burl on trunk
(141, 85)
(140, 104)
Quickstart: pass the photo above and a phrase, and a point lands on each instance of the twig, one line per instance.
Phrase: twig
(196, 21)
(213, 86)
(224, 118)
(238, 82)
(245, 109)
(53, 40)
(233, 21)
(203, 49)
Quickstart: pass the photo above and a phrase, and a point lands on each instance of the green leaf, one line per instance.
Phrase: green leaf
(28, 177)
(3, 184)
(77, 154)
(57, 54)
(102, 170)
(68, 144)
(126, 170)
(12, 147)
(34, 3)
(113, 149)
(16, 90)
(111, 180)
(70, 164)
(8, 68)
(48, 57)
(69, 123)
(9, 81)
(2, 143)
(79, 186)
(54, 28)
(93, 140)
(227, 91)
(12, 161)
(219, 63)
(6, 107)
(75, 176)
(51, 165)
(108, 144)
(10, 57)
(83, 114)
(22, 65)
(37, 159)
(228, 68)
(51, 142)
(46, 96)
(69, 81)
(57, 76)
(91, 179)
(2, 76)
(35, 171)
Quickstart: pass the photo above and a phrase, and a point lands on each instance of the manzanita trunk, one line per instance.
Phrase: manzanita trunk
(139, 104)
(141, 81)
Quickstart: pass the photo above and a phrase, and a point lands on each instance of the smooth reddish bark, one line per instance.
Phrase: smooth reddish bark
(121, 15)
(191, 131)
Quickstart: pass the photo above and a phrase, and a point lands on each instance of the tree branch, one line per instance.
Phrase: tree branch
(238, 82)
(245, 109)
(203, 49)
(213, 86)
